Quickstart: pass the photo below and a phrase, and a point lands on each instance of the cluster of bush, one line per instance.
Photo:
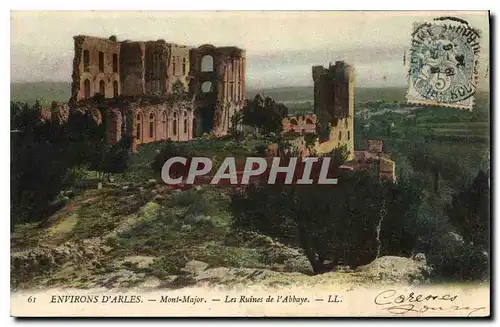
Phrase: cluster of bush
(350, 223)
(263, 114)
(363, 217)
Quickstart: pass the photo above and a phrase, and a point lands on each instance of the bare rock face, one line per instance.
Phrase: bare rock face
(37, 261)
(195, 267)
(224, 275)
(391, 269)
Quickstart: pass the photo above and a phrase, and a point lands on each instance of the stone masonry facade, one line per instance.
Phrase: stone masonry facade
(211, 80)
(334, 106)
(218, 85)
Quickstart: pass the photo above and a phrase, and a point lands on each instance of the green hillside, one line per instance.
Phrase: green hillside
(294, 97)
(46, 92)
(60, 91)
(306, 93)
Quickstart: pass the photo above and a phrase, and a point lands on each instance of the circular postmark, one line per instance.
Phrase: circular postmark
(444, 60)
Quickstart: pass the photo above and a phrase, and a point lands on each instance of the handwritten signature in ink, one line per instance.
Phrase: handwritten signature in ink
(413, 302)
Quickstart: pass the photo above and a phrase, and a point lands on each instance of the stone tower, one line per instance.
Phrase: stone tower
(217, 82)
(334, 106)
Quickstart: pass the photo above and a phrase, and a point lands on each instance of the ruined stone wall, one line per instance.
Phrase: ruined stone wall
(132, 68)
(376, 146)
(178, 66)
(378, 163)
(157, 56)
(114, 125)
(300, 124)
(59, 112)
(234, 76)
(214, 77)
(217, 82)
(95, 67)
(45, 114)
(144, 123)
(334, 106)
(387, 169)
(152, 123)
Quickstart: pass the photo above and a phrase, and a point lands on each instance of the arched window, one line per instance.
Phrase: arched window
(206, 87)
(293, 122)
(115, 63)
(207, 64)
(102, 88)
(164, 124)
(115, 89)
(86, 88)
(185, 113)
(174, 124)
(86, 60)
(231, 91)
(151, 125)
(185, 126)
(340, 135)
(183, 66)
(309, 121)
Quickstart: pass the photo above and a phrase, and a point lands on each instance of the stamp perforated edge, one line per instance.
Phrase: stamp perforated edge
(423, 102)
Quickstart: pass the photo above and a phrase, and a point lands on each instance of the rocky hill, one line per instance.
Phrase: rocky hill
(146, 235)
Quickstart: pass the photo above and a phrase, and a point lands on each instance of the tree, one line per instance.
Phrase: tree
(339, 155)
(469, 212)
(350, 223)
(23, 116)
(398, 233)
(43, 151)
(87, 139)
(264, 114)
(424, 159)
(115, 158)
(39, 161)
(236, 128)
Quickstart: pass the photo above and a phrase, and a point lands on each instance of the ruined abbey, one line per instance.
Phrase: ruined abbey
(155, 90)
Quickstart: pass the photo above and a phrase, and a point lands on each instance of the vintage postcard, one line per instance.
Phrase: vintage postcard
(277, 163)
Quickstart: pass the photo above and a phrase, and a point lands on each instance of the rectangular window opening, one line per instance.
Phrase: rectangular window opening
(101, 61)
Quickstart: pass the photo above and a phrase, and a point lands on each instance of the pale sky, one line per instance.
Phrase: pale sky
(281, 46)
